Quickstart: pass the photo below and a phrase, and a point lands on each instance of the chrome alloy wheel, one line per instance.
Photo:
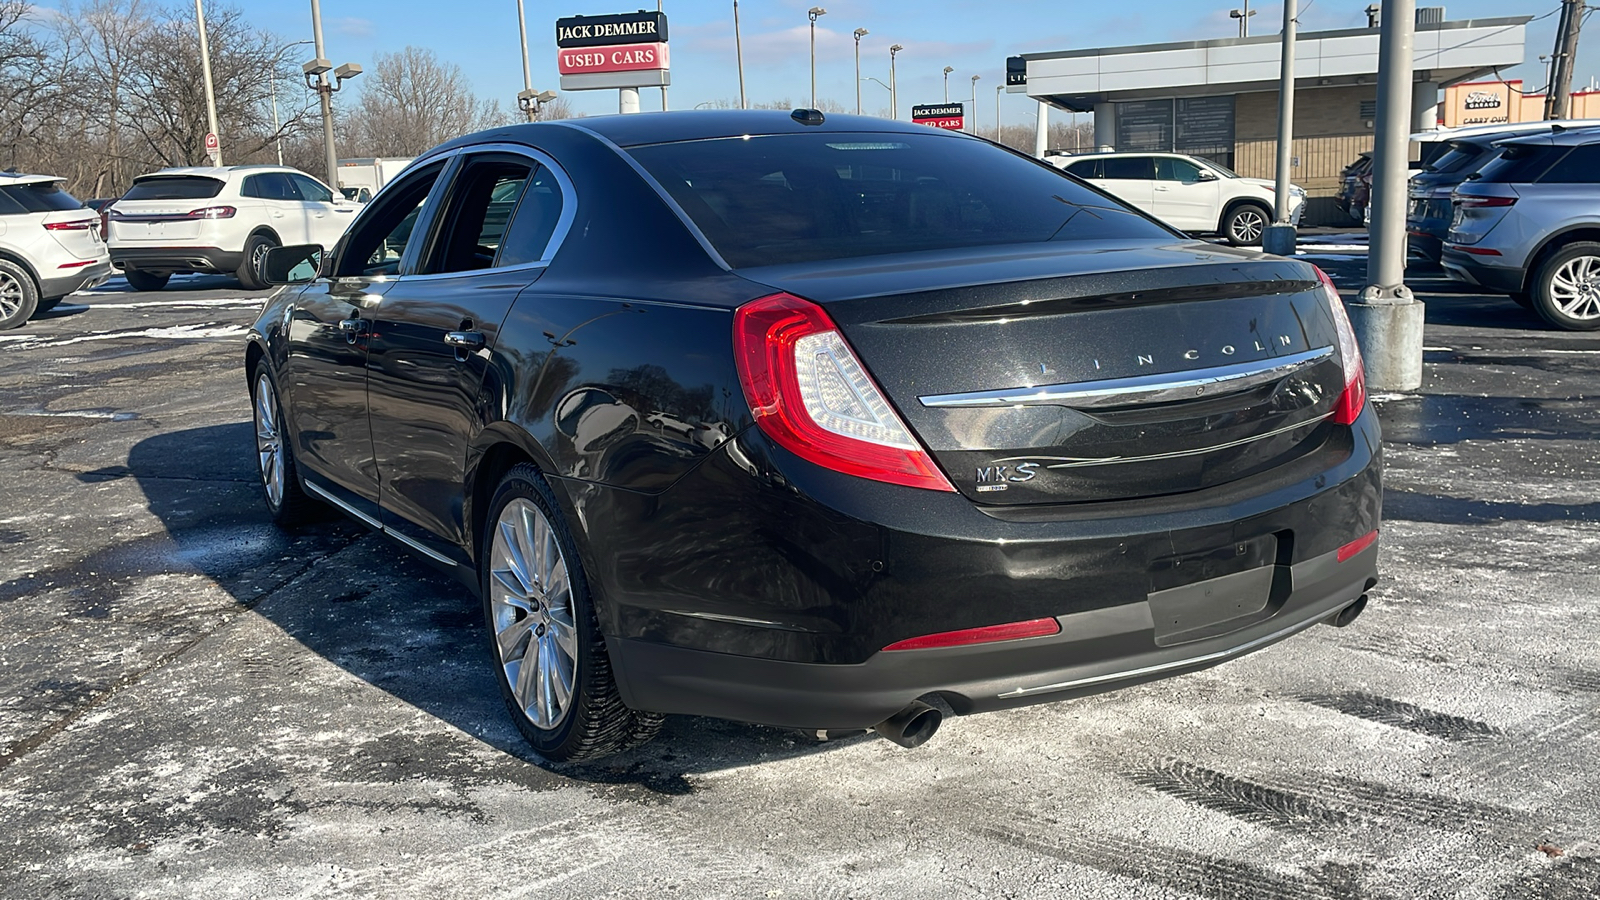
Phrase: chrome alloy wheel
(1575, 288)
(258, 259)
(269, 440)
(1247, 226)
(10, 295)
(530, 601)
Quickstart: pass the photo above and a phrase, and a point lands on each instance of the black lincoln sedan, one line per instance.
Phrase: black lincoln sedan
(817, 422)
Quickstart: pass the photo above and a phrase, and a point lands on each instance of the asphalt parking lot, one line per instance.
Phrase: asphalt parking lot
(195, 704)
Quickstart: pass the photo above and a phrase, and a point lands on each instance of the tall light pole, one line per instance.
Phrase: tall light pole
(531, 109)
(205, 72)
(894, 96)
(997, 89)
(947, 71)
(1243, 15)
(1282, 236)
(316, 72)
(813, 14)
(859, 33)
(738, 52)
(973, 128)
(272, 88)
(663, 87)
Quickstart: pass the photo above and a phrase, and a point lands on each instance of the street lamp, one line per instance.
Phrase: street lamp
(1244, 18)
(997, 89)
(894, 97)
(859, 33)
(974, 127)
(947, 71)
(316, 73)
(531, 102)
(813, 14)
(272, 88)
(738, 52)
(531, 108)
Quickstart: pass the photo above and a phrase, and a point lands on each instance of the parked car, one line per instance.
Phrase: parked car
(1355, 187)
(821, 422)
(219, 220)
(1459, 152)
(49, 246)
(1186, 192)
(1528, 224)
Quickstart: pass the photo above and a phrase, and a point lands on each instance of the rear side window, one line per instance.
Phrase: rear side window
(270, 186)
(1089, 168)
(792, 198)
(1127, 167)
(482, 201)
(1519, 164)
(174, 187)
(1581, 166)
(40, 196)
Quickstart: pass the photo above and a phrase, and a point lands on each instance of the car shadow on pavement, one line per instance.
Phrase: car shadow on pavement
(380, 614)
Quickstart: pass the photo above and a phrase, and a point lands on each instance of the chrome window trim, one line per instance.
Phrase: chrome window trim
(1139, 390)
(569, 209)
(666, 197)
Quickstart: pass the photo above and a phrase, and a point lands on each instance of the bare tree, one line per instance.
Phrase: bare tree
(411, 101)
(559, 108)
(30, 78)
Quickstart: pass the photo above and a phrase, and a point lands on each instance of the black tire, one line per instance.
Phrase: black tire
(255, 255)
(1244, 224)
(146, 281)
(593, 721)
(47, 305)
(289, 504)
(1566, 287)
(19, 296)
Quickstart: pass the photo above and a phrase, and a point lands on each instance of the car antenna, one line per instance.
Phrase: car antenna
(807, 116)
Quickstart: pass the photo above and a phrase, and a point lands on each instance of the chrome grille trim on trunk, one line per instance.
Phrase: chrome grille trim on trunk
(1139, 390)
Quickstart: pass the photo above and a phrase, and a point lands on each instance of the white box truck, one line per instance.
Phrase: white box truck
(359, 179)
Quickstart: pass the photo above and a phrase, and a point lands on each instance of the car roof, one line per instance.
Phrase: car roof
(1564, 138)
(1517, 128)
(1101, 154)
(220, 173)
(21, 178)
(639, 129)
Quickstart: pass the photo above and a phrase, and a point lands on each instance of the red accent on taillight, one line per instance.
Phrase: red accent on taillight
(1354, 398)
(1479, 202)
(985, 635)
(765, 334)
(80, 225)
(1357, 545)
(213, 212)
(1476, 251)
(75, 265)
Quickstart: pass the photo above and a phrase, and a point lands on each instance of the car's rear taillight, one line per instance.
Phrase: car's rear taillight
(1354, 398)
(80, 225)
(213, 212)
(812, 396)
(1479, 202)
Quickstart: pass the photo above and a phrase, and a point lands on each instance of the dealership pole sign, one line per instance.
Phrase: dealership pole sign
(609, 52)
(944, 115)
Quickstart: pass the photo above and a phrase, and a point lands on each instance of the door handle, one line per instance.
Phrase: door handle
(464, 340)
(352, 328)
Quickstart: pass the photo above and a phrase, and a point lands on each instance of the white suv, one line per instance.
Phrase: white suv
(220, 220)
(1188, 193)
(49, 246)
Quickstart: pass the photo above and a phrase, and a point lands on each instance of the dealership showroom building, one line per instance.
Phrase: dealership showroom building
(1219, 99)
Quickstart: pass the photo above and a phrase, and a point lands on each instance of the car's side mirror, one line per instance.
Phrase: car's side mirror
(295, 264)
(1207, 176)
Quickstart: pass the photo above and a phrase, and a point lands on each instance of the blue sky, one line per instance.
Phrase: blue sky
(975, 38)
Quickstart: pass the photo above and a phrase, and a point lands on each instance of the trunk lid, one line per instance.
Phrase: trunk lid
(77, 231)
(1044, 375)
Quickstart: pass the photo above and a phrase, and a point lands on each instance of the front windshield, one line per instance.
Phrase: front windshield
(1222, 170)
(794, 198)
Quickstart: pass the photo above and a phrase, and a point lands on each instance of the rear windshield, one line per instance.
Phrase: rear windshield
(792, 198)
(38, 197)
(1519, 164)
(174, 187)
(1457, 158)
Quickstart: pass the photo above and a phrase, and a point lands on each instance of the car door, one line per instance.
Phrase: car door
(1130, 179)
(280, 199)
(1183, 197)
(326, 217)
(435, 333)
(324, 377)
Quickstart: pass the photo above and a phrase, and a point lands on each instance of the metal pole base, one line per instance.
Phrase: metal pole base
(1279, 239)
(1390, 335)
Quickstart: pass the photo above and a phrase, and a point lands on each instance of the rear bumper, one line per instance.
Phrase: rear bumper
(1474, 269)
(177, 259)
(776, 615)
(83, 278)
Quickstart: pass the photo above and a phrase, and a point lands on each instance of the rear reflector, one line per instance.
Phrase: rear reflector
(985, 635)
(80, 225)
(1354, 398)
(1476, 251)
(75, 265)
(811, 395)
(1357, 545)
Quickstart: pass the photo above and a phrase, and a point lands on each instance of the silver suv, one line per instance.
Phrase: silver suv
(49, 246)
(1528, 224)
